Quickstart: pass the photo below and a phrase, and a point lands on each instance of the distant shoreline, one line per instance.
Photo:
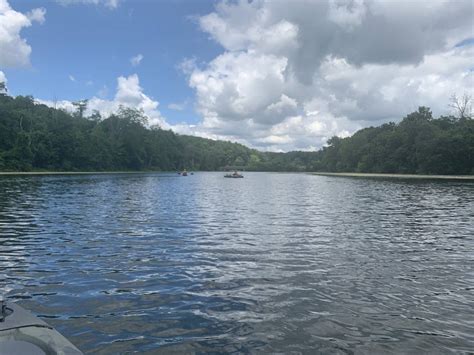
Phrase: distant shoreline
(76, 172)
(399, 176)
(357, 175)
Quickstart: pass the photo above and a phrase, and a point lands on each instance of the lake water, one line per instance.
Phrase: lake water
(279, 263)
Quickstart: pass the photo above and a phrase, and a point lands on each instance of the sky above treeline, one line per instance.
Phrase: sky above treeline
(274, 75)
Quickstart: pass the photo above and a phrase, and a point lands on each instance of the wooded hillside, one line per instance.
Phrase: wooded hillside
(37, 137)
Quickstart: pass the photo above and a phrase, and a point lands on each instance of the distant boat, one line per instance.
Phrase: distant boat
(23, 333)
(234, 175)
(184, 173)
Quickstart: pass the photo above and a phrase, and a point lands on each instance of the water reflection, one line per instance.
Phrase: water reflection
(269, 263)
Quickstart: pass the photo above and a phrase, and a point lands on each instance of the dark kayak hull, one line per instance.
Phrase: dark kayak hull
(234, 176)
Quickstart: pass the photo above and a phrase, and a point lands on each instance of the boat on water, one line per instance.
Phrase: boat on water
(23, 333)
(234, 175)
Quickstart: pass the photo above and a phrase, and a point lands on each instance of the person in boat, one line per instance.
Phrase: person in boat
(235, 173)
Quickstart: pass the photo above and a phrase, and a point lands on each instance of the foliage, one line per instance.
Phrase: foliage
(419, 144)
(37, 137)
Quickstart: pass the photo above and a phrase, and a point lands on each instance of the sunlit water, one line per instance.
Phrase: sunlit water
(287, 263)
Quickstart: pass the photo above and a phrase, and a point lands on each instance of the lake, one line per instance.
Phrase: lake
(272, 263)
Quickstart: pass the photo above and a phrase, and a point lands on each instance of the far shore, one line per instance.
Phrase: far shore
(76, 172)
(356, 175)
(400, 176)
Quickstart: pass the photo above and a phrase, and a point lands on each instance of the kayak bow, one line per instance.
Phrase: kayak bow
(23, 333)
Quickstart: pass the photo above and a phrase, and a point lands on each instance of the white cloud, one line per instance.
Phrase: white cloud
(37, 15)
(291, 76)
(58, 104)
(187, 65)
(347, 13)
(237, 85)
(14, 50)
(136, 60)
(129, 94)
(177, 106)
(111, 4)
(72, 78)
(276, 111)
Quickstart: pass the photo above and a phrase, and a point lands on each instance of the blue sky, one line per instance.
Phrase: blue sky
(94, 44)
(273, 75)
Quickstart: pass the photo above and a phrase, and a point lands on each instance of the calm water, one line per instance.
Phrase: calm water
(287, 263)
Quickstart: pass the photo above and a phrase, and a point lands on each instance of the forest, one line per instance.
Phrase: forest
(35, 137)
(419, 144)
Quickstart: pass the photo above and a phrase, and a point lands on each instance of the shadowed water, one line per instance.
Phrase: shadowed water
(287, 263)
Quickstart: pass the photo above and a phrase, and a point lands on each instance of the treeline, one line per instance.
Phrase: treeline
(37, 137)
(419, 144)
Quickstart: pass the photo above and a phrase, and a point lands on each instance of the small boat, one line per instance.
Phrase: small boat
(184, 173)
(234, 175)
(23, 333)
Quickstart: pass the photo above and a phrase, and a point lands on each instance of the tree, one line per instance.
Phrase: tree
(3, 88)
(96, 116)
(81, 106)
(133, 115)
(462, 106)
(35, 137)
(422, 115)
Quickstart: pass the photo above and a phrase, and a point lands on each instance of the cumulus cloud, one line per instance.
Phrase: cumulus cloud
(291, 76)
(177, 106)
(58, 104)
(235, 85)
(136, 60)
(187, 65)
(14, 50)
(129, 93)
(347, 14)
(111, 4)
(37, 15)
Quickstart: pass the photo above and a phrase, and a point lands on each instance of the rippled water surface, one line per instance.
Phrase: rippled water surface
(288, 263)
